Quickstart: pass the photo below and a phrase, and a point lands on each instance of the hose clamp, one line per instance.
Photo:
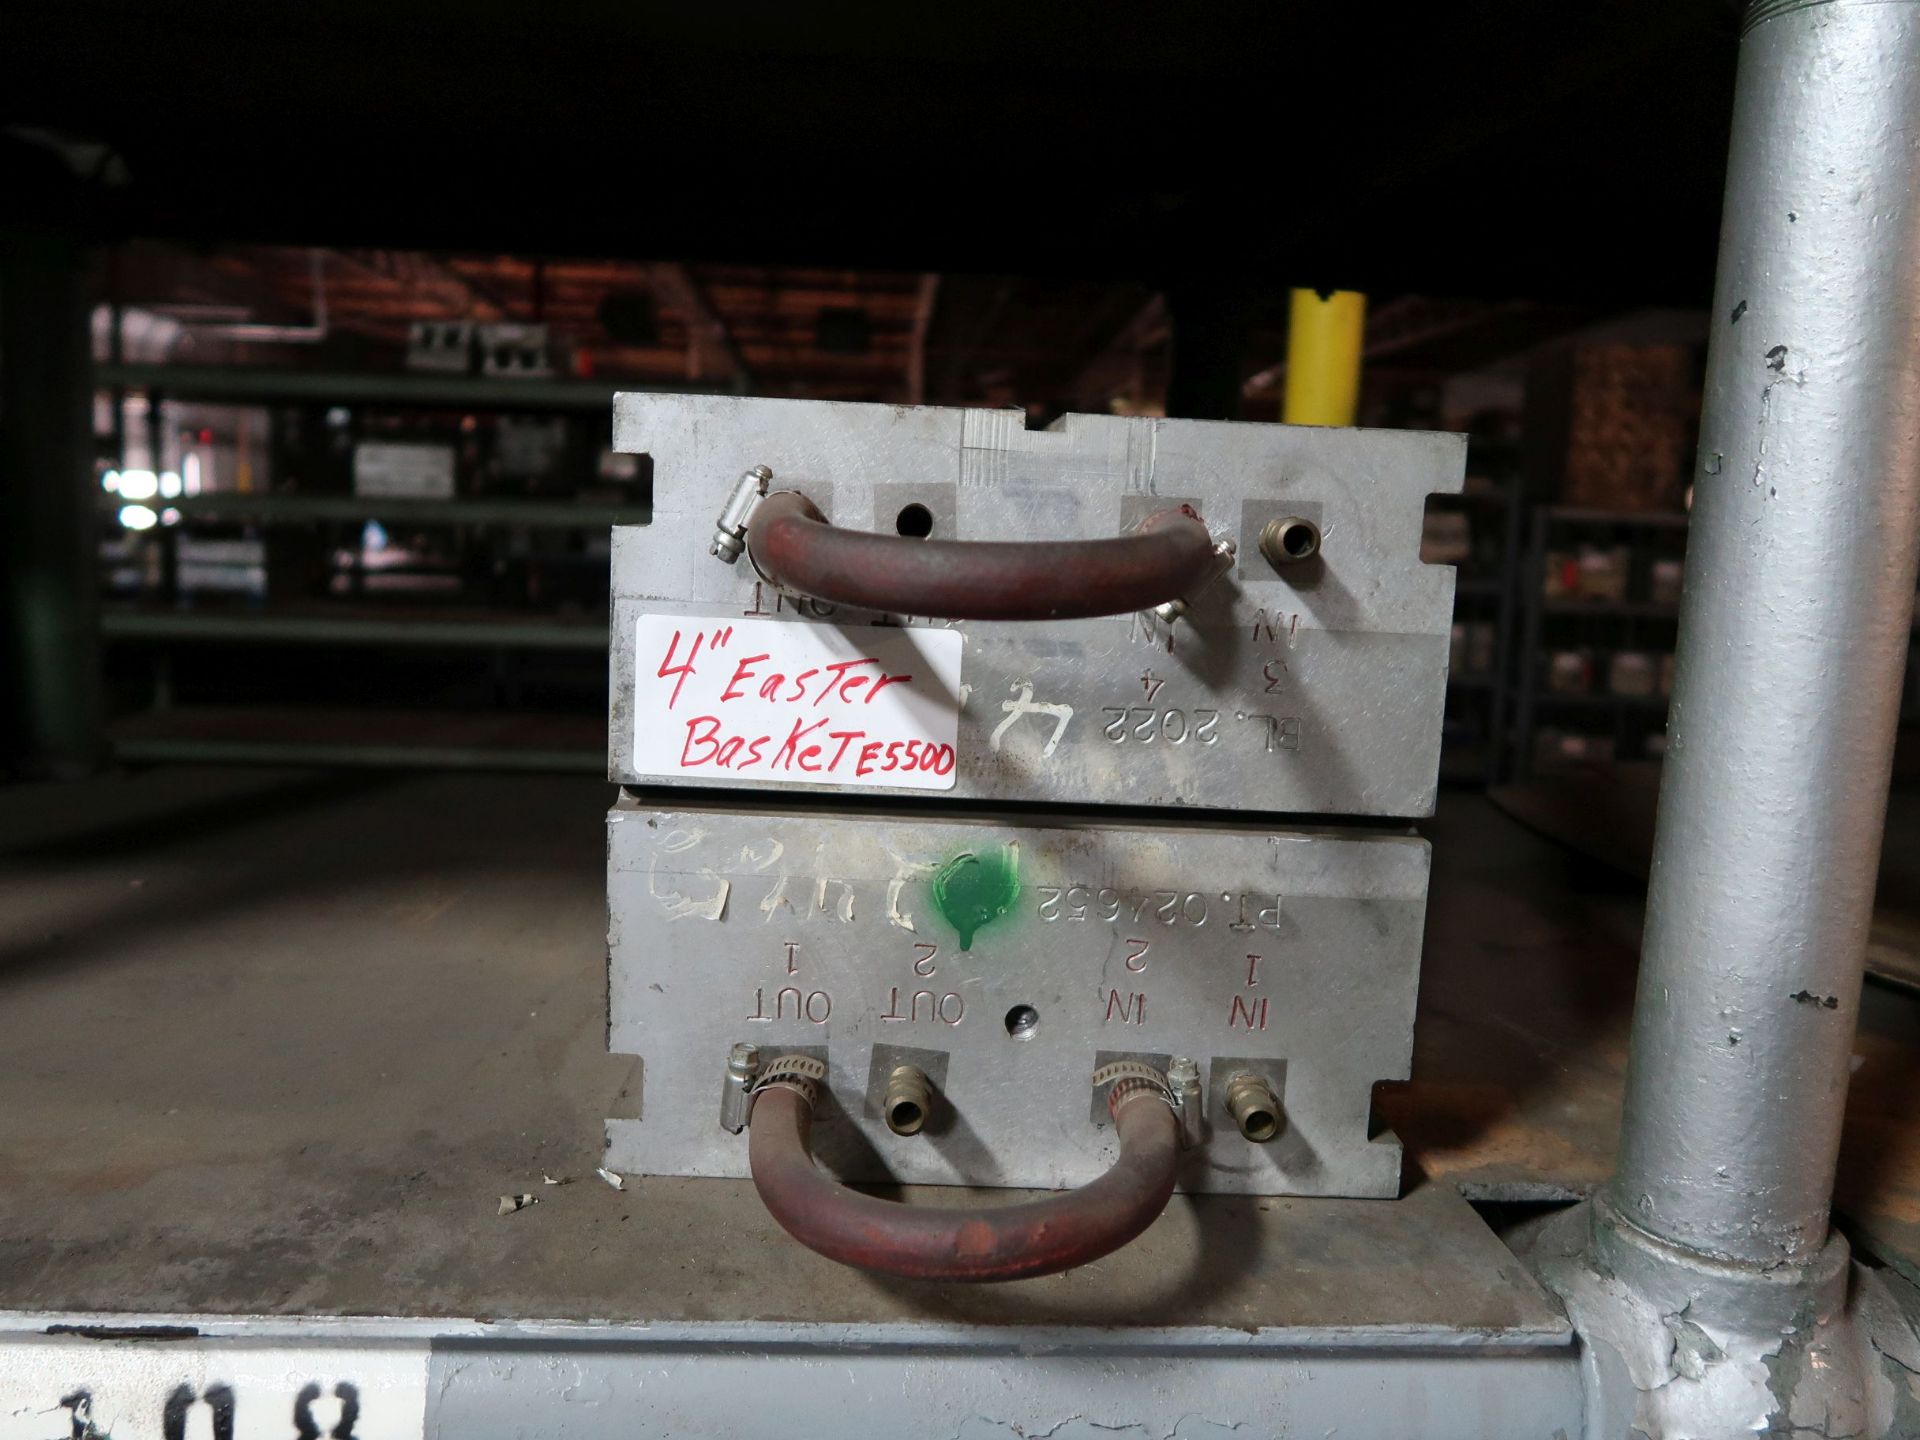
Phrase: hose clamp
(730, 530)
(801, 1074)
(1123, 1079)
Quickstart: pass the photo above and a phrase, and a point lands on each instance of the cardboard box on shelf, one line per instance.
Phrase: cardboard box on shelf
(1556, 749)
(1446, 538)
(1481, 637)
(1560, 578)
(1603, 572)
(1632, 672)
(1664, 583)
(1570, 672)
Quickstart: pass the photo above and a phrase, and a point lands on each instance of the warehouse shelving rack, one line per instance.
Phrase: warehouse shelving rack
(352, 736)
(1473, 745)
(1628, 620)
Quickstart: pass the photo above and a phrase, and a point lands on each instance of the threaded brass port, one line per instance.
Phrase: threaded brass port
(1254, 1107)
(1289, 540)
(909, 1098)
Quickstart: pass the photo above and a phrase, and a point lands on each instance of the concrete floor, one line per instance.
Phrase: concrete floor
(277, 1041)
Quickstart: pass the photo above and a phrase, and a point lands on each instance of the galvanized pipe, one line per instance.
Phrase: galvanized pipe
(1793, 628)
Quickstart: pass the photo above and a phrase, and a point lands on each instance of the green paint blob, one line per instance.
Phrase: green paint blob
(973, 891)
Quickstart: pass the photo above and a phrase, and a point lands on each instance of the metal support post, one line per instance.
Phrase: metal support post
(1709, 1296)
(1325, 339)
(1793, 633)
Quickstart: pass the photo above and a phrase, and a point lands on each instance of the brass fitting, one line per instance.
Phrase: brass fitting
(1254, 1107)
(1289, 540)
(736, 1095)
(909, 1098)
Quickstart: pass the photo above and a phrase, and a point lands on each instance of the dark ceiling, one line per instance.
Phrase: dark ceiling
(1563, 153)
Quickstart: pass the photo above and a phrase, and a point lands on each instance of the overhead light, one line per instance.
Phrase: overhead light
(138, 517)
(139, 484)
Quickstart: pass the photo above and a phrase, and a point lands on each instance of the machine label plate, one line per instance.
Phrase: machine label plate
(796, 702)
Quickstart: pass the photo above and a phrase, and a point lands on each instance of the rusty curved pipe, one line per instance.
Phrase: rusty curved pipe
(1010, 1242)
(793, 545)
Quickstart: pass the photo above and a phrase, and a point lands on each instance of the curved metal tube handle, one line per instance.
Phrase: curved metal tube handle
(793, 545)
(1009, 1242)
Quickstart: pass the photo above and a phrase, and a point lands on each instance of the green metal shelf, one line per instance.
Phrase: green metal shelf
(401, 389)
(1618, 715)
(354, 628)
(162, 750)
(273, 508)
(289, 735)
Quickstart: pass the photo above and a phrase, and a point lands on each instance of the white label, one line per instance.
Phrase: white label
(196, 1390)
(390, 471)
(220, 552)
(790, 701)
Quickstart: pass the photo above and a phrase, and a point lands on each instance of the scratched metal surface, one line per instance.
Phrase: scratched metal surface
(1080, 1392)
(277, 1042)
(1317, 691)
(1290, 954)
(257, 1378)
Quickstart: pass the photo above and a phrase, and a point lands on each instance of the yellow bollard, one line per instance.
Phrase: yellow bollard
(1324, 339)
